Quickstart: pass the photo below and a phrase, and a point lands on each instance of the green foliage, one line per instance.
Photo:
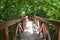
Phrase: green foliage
(52, 30)
(18, 8)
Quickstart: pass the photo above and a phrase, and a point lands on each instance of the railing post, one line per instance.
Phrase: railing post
(18, 29)
(36, 20)
(58, 33)
(44, 31)
(25, 21)
(7, 33)
(14, 36)
(2, 35)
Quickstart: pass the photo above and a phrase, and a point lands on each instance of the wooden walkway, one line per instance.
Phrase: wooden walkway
(31, 32)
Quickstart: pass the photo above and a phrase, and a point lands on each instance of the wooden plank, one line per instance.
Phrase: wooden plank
(7, 33)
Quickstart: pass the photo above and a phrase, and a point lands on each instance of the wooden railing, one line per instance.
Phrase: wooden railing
(5, 25)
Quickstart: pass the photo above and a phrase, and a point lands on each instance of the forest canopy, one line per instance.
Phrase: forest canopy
(11, 9)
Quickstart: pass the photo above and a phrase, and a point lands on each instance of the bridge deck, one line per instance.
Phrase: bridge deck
(31, 32)
(27, 36)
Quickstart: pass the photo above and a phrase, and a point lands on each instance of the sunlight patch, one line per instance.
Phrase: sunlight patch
(29, 27)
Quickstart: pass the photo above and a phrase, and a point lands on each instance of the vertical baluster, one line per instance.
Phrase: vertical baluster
(48, 35)
(18, 29)
(59, 33)
(14, 36)
(7, 33)
(2, 35)
(40, 27)
(56, 33)
(36, 21)
(44, 30)
(25, 21)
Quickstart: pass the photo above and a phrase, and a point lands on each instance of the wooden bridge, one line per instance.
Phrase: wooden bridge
(40, 22)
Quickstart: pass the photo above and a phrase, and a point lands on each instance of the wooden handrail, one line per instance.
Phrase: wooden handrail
(9, 23)
(12, 22)
(57, 23)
